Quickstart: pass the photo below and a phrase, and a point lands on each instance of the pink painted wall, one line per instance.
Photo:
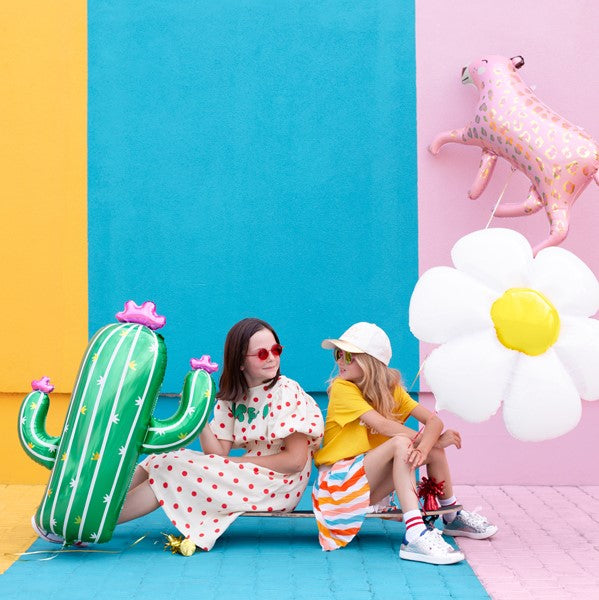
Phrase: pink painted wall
(558, 41)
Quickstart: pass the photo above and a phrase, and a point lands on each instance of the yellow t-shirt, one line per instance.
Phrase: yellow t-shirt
(344, 435)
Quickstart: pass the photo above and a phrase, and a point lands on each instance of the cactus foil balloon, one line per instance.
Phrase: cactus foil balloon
(109, 423)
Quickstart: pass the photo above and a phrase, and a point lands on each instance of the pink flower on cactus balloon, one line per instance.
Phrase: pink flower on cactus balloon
(204, 363)
(42, 385)
(510, 122)
(144, 315)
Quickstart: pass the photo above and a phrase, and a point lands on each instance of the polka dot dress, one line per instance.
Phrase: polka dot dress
(202, 494)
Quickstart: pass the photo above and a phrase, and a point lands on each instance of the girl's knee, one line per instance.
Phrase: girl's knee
(401, 444)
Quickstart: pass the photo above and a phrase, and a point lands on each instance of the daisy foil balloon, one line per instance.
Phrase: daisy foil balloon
(512, 329)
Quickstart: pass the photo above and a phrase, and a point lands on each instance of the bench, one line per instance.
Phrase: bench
(392, 515)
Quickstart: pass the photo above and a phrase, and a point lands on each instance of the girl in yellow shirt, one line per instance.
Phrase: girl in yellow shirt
(368, 453)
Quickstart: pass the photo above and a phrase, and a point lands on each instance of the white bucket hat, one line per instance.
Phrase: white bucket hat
(363, 338)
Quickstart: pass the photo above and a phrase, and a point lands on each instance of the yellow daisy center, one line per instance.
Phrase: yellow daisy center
(526, 321)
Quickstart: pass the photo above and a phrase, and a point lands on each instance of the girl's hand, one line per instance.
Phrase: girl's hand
(416, 457)
(449, 437)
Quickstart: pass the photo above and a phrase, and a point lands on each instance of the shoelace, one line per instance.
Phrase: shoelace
(474, 519)
(436, 542)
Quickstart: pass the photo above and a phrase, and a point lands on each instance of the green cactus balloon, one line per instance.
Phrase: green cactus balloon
(109, 423)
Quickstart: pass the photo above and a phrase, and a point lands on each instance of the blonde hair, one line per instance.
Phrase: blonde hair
(378, 384)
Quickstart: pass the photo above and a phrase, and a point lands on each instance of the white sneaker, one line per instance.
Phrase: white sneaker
(431, 548)
(471, 525)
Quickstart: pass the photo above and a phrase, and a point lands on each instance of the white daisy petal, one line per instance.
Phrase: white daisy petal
(447, 303)
(472, 372)
(499, 258)
(570, 285)
(467, 375)
(578, 349)
(542, 402)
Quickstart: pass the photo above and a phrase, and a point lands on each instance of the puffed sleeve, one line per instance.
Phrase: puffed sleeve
(223, 422)
(294, 411)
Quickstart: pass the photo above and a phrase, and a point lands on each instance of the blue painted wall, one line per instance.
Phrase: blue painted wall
(254, 158)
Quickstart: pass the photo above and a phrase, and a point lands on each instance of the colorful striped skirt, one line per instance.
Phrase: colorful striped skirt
(341, 499)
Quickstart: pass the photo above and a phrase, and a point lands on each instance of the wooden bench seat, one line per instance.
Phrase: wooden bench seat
(392, 515)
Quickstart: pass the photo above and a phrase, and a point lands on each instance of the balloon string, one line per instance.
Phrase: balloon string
(421, 427)
(412, 484)
(417, 375)
(55, 553)
(500, 197)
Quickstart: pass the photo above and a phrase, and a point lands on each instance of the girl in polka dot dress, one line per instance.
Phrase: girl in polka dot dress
(257, 409)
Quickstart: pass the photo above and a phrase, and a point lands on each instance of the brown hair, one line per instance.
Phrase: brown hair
(378, 384)
(232, 384)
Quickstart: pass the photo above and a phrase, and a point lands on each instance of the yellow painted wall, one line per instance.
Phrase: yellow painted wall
(43, 204)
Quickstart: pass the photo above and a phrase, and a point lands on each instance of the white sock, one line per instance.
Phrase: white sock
(414, 525)
(449, 517)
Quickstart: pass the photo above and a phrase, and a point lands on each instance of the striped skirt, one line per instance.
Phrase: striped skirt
(341, 499)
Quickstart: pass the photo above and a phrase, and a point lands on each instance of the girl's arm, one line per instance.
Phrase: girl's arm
(213, 445)
(433, 426)
(389, 427)
(290, 460)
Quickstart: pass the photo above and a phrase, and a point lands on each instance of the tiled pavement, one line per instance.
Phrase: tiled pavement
(17, 504)
(541, 551)
(547, 545)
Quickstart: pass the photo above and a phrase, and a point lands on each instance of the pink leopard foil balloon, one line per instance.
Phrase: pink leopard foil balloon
(510, 122)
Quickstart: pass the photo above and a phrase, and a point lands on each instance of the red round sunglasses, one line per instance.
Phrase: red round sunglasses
(262, 353)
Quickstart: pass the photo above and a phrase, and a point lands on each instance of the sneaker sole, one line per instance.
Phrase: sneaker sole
(432, 560)
(471, 534)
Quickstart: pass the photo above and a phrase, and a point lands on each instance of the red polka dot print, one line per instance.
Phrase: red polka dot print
(202, 494)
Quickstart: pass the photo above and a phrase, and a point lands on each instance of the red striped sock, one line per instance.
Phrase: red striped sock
(414, 525)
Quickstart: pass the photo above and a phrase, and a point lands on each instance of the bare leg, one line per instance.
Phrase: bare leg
(139, 502)
(438, 467)
(387, 470)
(140, 475)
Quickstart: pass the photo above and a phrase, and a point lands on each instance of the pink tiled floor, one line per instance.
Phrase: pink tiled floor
(547, 545)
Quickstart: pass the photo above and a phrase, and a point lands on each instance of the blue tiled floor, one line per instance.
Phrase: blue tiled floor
(255, 558)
